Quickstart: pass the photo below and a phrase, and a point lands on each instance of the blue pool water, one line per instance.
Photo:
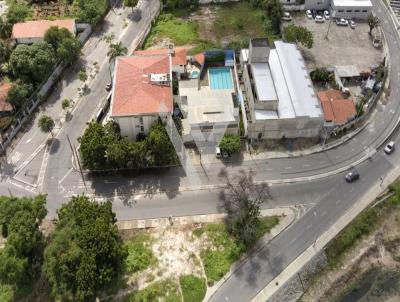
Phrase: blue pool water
(220, 78)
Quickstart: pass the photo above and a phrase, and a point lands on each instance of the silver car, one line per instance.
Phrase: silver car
(389, 148)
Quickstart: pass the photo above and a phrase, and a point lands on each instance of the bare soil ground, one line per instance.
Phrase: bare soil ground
(371, 252)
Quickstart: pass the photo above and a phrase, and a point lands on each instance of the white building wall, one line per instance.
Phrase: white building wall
(351, 12)
(131, 126)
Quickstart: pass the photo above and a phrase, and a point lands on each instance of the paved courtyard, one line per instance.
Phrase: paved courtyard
(345, 46)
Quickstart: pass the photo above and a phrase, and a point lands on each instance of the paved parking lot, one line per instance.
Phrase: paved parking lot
(345, 46)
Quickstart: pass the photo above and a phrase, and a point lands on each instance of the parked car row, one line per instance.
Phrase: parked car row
(321, 17)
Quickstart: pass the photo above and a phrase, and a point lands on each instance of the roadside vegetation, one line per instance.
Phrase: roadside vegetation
(166, 291)
(193, 288)
(140, 255)
(216, 26)
(102, 147)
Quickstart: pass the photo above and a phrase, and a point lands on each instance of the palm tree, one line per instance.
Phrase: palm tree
(115, 50)
(373, 22)
(46, 124)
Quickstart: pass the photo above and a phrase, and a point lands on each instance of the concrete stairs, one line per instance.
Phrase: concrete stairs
(395, 4)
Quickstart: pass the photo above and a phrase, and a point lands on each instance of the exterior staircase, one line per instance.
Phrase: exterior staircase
(395, 4)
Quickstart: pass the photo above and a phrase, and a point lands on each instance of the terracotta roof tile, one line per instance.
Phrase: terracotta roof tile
(4, 105)
(133, 93)
(336, 108)
(37, 29)
(178, 57)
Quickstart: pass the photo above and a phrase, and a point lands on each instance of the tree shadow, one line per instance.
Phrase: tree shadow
(129, 185)
(54, 144)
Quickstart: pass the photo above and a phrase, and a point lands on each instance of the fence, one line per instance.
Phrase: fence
(40, 94)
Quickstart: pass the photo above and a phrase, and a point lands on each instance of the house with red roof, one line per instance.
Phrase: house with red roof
(30, 32)
(337, 110)
(142, 91)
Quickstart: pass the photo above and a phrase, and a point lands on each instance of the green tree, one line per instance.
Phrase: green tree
(91, 11)
(241, 200)
(32, 63)
(65, 104)
(5, 28)
(17, 12)
(161, 151)
(46, 124)
(19, 94)
(372, 22)
(115, 50)
(5, 52)
(274, 12)
(322, 75)
(66, 46)
(230, 143)
(21, 258)
(298, 34)
(93, 147)
(86, 255)
(131, 3)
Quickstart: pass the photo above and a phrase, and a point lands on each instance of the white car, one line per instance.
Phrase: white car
(352, 24)
(308, 14)
(319, 19)
(342, 22)
(327, 15)
(389, 147)
(286, 16)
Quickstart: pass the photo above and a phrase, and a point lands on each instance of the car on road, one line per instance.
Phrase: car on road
(319, 19)
(352, 176)
(109, 86)
(309, 14)
(286, 16)
(352, 24)
(217, 152)
(225, 154)
(389, 147)
(342, 22)
(327, 15)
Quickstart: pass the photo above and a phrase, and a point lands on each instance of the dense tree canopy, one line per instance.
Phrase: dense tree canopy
(86, 254)
(102, 147)
(17, 12)
(21, 258)
(65, 45)
(298, 34)
(32, 63)
(19, 94)
(131, 3)
(46, 124)
(91, 11)
(230, 143)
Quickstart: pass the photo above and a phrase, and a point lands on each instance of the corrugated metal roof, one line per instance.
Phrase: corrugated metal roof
(352, 3)
(265, 88)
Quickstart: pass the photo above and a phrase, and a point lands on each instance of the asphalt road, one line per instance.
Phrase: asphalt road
(133, 193)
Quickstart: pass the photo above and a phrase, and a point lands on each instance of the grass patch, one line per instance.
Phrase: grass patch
(233, 20)
(140, 255)
(165, 291)
(225, 249)
(193, 288)
(181, 32)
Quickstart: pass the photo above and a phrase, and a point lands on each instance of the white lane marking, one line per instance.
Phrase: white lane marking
(287, 168)
(306, 165)
(322, 162)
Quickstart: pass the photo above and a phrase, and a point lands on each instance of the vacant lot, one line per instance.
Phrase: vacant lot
(212, 26)
(344, 46)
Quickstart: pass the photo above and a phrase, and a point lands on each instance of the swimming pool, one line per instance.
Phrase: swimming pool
(220, 78)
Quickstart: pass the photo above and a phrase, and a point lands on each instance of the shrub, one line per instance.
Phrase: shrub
(140, 256)
(321, 75)
(193, 288)
(230, 143)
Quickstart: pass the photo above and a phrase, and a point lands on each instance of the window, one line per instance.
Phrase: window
(349, 11)
(340, 10)
(141, 119)
(141, 128)
(364, 11)
(357, 11)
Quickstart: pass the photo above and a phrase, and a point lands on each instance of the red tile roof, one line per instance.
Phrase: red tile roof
(133, 93)
(4, 105)
(200, 58)
(37, 29)
(336, 108)
(178, 56)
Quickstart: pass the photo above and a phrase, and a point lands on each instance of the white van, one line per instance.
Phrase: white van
(218, 152)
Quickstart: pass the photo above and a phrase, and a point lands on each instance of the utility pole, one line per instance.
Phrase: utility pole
(76, 157)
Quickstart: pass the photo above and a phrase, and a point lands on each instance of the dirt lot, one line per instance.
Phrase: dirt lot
(366, 271)
(345, 46)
